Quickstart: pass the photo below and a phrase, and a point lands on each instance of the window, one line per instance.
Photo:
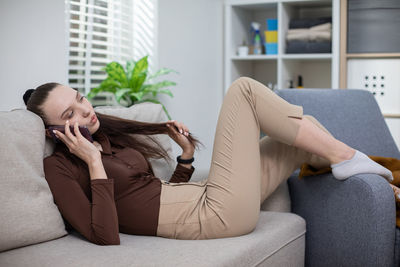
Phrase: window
(102, 31)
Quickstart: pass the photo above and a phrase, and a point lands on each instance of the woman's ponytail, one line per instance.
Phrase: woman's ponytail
(27, 95)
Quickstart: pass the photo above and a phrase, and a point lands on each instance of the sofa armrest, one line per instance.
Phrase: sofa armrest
(349, 223)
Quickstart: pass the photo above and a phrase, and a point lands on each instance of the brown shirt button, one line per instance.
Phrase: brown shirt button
(129, 166)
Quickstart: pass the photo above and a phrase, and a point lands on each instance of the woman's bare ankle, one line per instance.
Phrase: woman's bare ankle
(344, 154)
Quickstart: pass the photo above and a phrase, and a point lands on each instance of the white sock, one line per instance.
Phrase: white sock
(359, 163)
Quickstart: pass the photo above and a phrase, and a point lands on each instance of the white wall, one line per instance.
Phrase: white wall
(33, 48)
(33, 51)
(191, 42)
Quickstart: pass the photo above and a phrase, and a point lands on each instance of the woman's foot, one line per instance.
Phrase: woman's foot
(359, 163)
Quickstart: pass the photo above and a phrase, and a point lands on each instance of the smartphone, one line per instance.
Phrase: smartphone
(83, 129)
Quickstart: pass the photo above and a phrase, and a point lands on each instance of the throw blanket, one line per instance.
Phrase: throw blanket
(392, 164)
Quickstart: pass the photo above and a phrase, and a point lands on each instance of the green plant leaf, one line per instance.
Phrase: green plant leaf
(130, 83)
(138, 82)
(141, 65)
(139, 74)
(120, 93)
(155, 87)
(93, 92)
(162, 71)
(117, 73)
(130, 64)
(108, 85)
(166, 91)
(137, 95)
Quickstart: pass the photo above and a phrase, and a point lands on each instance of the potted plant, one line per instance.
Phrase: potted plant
(133, 84)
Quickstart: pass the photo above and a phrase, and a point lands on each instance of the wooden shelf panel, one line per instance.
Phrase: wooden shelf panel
(373, 55)
(391, 115)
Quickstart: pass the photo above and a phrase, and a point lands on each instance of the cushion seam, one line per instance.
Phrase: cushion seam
(287, 243)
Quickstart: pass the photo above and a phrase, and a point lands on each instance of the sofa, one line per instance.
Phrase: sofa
(314, 221)
(351, 222)
(33, 233)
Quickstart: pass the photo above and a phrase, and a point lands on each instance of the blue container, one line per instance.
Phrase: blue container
(271, 48)
(272, 24)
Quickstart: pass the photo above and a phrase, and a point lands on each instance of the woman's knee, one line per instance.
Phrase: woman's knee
(243, 79)
(242, 83)
(241, 86)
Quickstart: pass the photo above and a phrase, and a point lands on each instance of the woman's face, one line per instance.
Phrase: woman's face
(64, 103)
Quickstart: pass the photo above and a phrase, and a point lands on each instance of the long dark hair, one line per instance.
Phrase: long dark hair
(118, 130)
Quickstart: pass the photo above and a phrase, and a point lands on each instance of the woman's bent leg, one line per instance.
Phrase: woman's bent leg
(233, 186)
(228, 202)
(279, 161)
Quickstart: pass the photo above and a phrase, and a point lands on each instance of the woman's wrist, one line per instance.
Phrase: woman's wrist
(96, 170)
(187, 155)
(94, 159)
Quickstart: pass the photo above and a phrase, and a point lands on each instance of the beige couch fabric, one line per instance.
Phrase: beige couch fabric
(278, 240)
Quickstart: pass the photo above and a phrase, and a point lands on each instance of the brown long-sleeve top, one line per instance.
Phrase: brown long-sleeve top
(128, 201)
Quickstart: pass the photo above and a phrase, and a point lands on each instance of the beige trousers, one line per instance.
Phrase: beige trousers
(244, 169)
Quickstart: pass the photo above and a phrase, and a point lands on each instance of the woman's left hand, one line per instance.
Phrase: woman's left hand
(180, 135)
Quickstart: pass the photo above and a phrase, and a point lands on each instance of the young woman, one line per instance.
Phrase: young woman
(108, 186)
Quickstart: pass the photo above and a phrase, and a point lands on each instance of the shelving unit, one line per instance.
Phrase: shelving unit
(345, 57)
(391, 110)
(317, 70)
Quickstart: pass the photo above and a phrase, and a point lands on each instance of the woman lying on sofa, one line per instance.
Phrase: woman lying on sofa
(106, 185)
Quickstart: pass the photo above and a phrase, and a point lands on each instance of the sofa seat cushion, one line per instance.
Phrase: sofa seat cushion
(278, 240)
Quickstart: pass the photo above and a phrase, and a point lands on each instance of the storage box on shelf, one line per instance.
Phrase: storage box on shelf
(319, 70)
(271, 37)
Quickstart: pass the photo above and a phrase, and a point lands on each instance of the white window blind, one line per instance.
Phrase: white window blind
(102, 31)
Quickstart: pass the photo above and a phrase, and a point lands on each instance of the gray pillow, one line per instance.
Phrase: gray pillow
(28, 214)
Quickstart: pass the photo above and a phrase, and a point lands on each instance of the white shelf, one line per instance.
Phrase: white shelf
(318, 70)
(307, 56)
(285, 56)
(255, 57)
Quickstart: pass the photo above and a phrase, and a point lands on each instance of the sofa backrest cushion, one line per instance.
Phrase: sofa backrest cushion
(28, 214)
(351, 115)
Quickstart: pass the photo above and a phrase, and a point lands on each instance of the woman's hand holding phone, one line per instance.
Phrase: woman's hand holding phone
(78, 144)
